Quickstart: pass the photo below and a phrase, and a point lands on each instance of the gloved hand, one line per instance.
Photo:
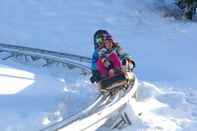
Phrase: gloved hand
(132, 62)
(129, 62)
(92, 79)
(102, 52)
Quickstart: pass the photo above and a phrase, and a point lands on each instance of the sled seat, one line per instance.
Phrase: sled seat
(110, 83)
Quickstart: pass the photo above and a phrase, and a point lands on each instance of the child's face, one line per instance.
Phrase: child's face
(108, 44)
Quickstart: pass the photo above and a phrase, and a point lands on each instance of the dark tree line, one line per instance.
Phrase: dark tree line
(188, 7)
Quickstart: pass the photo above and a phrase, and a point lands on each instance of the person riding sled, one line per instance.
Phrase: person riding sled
(109, 63)
(106, 50)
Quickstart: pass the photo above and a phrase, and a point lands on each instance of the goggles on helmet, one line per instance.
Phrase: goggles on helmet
(99, 40)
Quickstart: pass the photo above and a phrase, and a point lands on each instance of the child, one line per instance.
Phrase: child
(109, 63)
(99, 65)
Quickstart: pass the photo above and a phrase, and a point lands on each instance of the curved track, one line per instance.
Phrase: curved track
(98, 112)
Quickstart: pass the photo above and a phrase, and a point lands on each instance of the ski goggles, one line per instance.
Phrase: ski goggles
(99, 40)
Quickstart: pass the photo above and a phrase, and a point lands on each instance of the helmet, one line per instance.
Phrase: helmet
(107, 37)
(99, 37)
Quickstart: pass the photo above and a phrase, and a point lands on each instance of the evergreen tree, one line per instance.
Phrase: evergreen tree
(189, 7)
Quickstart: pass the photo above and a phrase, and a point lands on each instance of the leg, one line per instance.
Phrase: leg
(116, 62)
(101, 69)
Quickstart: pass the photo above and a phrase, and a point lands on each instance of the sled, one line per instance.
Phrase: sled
(118, 82)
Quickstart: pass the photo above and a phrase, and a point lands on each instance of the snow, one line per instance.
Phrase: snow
(8, 80)
(164, 49)
(164, 110)
(32, 97)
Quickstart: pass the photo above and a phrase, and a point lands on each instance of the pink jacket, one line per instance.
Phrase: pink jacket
(115, 61)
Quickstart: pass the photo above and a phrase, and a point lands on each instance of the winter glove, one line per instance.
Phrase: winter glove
(92, 79)
(132, 62)
(129, 62)
(102, 52)
(95, 76)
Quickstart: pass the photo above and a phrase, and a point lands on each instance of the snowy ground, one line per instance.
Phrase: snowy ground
(32, 97)
(164, 49)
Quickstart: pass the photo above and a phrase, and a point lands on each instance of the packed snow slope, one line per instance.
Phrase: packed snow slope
(164, 48)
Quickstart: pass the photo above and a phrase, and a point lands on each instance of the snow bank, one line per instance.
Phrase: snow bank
(158, 109)
(32, 97)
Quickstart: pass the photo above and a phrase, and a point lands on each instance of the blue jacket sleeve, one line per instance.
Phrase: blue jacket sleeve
(95, 57)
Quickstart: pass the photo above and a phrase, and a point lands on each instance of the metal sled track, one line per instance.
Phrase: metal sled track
(94, 115)
(49, 56)
(52, 56)
(42, 53)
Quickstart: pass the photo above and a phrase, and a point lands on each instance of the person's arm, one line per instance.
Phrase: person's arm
(124, 56)
(95, 57)
(120, 52)
(95, 75)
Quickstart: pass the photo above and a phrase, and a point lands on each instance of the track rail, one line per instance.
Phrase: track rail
(91, 120)
(42, 53)
(95, 114)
